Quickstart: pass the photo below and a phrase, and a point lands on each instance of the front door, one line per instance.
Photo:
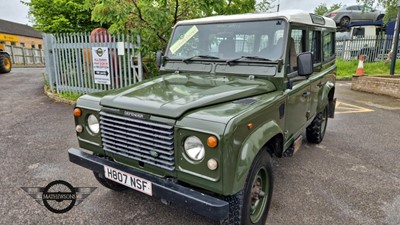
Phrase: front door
(298, 106)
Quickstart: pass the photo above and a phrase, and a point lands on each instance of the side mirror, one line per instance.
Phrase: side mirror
(305, 64)
(159, 58)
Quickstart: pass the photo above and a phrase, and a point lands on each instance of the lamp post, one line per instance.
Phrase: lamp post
(396, 40)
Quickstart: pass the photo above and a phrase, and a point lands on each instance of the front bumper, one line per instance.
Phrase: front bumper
(196, 201)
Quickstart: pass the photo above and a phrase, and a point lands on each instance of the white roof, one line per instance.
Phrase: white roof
(297, 16)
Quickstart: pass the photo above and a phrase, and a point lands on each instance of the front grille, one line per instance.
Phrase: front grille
(141, 140)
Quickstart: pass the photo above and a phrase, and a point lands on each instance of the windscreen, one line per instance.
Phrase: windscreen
(229, 40)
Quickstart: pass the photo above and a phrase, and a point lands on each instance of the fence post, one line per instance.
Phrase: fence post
(33, 57)
(12, 54)
(50, 68)
(140, 59)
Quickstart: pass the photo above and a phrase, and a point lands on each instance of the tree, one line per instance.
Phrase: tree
(154, 19)
(61, 16)
(389, 5)
(321, 9)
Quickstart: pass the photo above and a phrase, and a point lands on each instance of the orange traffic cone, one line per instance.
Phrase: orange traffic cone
(360, 68)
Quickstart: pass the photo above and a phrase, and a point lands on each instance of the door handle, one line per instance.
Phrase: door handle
(306, 94)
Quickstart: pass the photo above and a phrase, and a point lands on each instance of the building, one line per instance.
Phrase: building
(19, 35)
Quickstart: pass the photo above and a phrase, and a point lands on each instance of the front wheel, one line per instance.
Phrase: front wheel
(316, 130)
(5, 63)
(251, 204)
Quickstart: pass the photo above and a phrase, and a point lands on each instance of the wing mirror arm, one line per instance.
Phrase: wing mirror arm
(160, 59)
(295, 79)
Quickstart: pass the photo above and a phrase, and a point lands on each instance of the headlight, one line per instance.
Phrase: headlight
(93, 124)
(194, 148)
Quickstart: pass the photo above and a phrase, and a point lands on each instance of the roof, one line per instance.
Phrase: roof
(9, 27)
(297, 16)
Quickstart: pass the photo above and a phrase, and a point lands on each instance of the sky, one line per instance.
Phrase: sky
(15, 11)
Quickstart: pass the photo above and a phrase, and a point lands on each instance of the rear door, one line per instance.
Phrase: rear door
(355, 13)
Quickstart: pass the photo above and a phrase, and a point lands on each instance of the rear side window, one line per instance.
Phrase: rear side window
(354, 8)
(328, 45)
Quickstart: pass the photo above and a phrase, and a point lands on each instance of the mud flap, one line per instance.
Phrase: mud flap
(332, 108)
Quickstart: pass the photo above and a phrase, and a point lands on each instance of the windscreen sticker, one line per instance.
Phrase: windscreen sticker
(184, 38)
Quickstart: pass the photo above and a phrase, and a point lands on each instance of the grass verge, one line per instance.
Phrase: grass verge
(346, 69)
(70, 96)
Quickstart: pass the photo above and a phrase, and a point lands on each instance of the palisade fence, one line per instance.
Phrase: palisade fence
(25, 56)
(373, 48)
(72, 61)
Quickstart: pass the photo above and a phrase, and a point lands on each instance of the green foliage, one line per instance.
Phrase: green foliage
(70, 96)
(61, 16)
(346, 69)
(154, 19)
(389, 5)
(321, 9)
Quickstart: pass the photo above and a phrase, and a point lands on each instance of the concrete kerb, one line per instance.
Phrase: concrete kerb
(382, 85)
(57, 98)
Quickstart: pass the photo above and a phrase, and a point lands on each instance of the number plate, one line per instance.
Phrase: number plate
(134, 182)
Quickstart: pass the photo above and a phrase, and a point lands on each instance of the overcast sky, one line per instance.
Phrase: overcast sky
(15, 11)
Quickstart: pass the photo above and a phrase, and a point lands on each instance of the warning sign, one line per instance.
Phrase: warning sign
(101, 65)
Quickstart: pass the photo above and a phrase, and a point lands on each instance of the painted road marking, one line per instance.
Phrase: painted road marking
(344, 108)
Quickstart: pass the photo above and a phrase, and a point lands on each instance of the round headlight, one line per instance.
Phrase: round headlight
(93, 124)
(194, 148)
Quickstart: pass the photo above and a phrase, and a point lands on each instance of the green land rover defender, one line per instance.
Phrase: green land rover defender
(233, 91)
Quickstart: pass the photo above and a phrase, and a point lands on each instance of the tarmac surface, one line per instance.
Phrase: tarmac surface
(352, 177)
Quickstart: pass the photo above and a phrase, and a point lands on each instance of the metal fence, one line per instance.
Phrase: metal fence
(374, 48)
(25, 56)
(72, 64)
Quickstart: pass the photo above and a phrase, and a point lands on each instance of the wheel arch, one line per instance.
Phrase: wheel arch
(268, 137)
(328, 93)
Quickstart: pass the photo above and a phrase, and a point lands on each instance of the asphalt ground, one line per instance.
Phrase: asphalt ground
(352, 177)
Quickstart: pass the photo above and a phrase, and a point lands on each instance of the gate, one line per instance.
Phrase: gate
(72, 64)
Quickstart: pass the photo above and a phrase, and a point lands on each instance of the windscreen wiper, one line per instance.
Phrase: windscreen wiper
(248, 57)
(200, 56)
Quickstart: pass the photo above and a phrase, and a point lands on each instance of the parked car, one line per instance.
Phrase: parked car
(347, 14)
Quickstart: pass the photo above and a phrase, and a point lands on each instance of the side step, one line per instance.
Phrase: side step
(294, 148)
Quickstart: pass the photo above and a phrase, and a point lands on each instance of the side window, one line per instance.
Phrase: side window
(354, 8)
(329, 47)
(359, 32)
(315, 45)
(296, 46)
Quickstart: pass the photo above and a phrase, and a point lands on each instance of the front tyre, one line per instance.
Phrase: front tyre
(251, 205)
(5, 63)
(316, 130)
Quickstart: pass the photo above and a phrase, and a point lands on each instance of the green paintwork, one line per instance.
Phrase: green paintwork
(205, 98)
(173, 95)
